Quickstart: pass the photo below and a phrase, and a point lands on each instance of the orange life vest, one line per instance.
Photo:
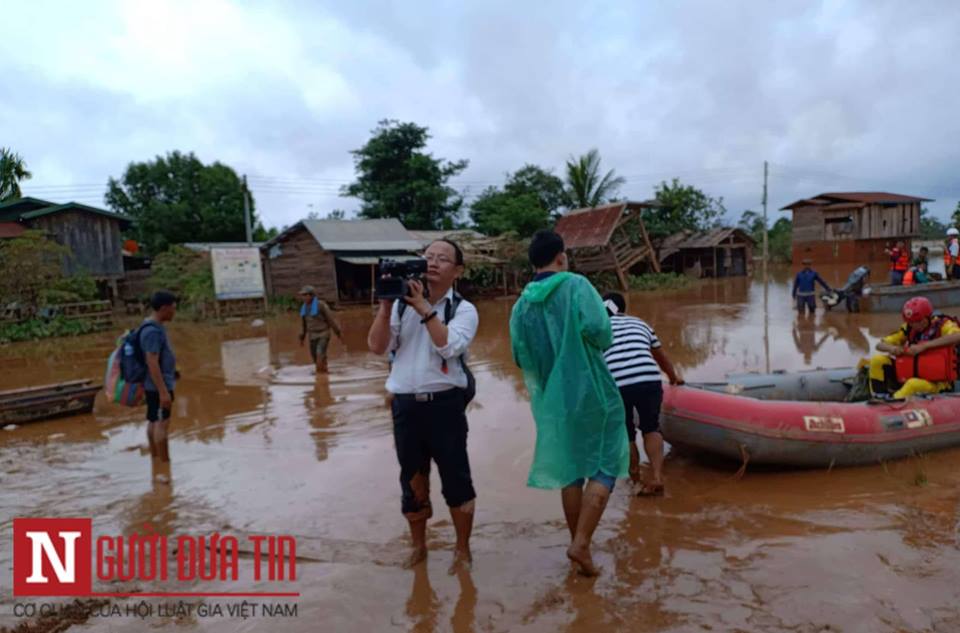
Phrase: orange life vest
(949, 261)
(899, 260)
(908, 278)
(935, 365)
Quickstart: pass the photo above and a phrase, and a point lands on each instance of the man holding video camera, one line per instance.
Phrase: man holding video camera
(428, 332)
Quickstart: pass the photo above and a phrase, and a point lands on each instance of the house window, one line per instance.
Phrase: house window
(838, 226)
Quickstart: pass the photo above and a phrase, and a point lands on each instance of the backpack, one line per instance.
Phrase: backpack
(127, 369)
(449, 310)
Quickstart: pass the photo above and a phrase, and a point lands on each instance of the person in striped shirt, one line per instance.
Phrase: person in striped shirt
(635, 360)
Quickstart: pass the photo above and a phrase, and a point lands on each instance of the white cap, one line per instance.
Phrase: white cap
(953, 231)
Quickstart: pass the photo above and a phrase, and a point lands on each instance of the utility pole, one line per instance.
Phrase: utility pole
(246, 211)
(766, 284)
(766, 252)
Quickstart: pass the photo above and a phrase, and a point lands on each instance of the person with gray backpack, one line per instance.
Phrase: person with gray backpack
(427, 333)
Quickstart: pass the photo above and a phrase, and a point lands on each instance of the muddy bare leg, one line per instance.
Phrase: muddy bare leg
(572, 496)
(463, 524)
(595, 498)
(151, 439)
(160, 433)
(653, 445)
(635, 461)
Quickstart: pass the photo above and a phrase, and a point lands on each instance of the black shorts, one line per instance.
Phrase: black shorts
(153, 406)
(645, 398)
(432, 430)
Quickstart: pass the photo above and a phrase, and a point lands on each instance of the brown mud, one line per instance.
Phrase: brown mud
(261, 446)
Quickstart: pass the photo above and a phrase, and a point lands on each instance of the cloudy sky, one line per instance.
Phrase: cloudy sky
(838, 96)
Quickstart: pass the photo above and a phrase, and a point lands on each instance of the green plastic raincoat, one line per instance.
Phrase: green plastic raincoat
(558, 332)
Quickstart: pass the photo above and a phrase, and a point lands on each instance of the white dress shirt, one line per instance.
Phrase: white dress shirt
(418, 363)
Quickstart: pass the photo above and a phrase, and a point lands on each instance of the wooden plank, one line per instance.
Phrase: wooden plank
(40, 388)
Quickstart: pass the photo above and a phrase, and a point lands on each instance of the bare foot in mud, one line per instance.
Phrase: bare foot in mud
(581, 556)
(462, 560)
(417, 556)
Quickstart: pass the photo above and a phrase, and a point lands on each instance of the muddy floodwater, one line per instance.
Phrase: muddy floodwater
(260, 447)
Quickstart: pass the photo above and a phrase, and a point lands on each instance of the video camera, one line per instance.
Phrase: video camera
(395, 276)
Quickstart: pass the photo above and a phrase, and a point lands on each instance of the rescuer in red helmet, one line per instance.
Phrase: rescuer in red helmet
(919, 357)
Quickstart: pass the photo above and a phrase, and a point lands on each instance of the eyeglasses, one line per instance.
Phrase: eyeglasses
(439, 259)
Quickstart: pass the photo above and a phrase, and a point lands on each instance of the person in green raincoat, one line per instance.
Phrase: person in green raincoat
(558, 332)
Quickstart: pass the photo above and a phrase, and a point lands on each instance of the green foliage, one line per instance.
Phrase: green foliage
(526, 203)
(12, 171)
(185, 273)
(780, 241)
(649, 282)
(682, 207)
(40, 328)
(930, 227)
(534, 180)
(496, 212)
(72, 289)
(396, 179)
(31, 264)
(585, 187)
(176, 198)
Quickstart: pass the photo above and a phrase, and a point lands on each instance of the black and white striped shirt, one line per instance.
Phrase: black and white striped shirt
(629, 358)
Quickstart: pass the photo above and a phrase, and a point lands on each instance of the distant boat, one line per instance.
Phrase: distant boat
(887, 298)
(31, 404)
(800, 419)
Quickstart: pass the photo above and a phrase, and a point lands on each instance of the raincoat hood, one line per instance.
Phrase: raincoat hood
(539, 291)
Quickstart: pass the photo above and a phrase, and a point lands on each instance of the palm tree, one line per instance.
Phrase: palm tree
(12, 171)
(585, 188)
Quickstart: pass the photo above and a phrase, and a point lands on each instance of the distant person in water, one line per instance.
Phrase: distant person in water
(635, 360)
(559, 330)
(804, 288)
(317, 322)
(161, 376)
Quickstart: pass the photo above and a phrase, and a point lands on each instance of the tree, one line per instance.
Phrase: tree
(530, 196)
(585, 187)
(930, 227)
(397, 179)
(752, 223)
(682, 207)
(31, 263)
(12, 171)
(496, 212)
(531, 179)
(780, 240)
(176, 198)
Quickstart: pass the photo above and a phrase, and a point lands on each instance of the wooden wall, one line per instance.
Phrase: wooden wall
(873, 222)
(94, 240)
(301, 262)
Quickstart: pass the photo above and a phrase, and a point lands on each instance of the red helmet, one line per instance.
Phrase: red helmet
(917, 309)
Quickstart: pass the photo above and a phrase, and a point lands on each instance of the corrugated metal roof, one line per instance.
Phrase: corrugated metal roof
(11, 229)
(863, 197)
(583, 228)
(361, 235)
(426, 237)
(705, 239)
(13, 209)
(74, 206)
(206, 247)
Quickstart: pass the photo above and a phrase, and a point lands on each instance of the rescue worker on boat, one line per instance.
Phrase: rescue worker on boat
(918, 273)
(923, 332)
(804, 288)
(951, 255)
(899, 262)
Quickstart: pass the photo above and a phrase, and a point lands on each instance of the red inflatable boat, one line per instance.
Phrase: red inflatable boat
(801, 419)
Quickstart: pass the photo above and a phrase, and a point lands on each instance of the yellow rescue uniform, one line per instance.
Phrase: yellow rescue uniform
(913, 386)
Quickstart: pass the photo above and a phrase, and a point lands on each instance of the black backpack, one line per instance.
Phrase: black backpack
(449, 310)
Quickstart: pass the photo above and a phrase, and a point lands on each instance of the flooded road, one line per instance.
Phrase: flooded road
(259, 446)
